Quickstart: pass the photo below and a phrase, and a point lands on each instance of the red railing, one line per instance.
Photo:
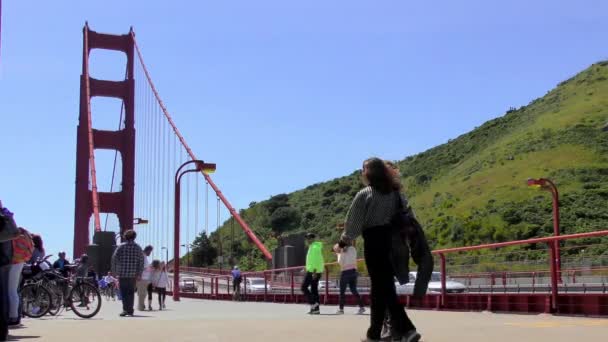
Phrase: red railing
(552, 258)
(282, 285)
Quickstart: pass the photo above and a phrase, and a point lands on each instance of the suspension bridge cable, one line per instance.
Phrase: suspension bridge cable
(122, 108)
(230, 208)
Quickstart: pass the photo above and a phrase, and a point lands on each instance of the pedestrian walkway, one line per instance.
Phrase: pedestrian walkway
(215, 321)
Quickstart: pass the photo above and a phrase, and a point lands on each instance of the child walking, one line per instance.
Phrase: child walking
(160, 281)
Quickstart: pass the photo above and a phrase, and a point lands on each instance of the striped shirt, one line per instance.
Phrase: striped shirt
(370, 208)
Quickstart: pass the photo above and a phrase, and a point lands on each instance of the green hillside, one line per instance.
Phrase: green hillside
(472, 189)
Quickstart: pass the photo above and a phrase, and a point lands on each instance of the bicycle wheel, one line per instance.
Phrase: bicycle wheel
(57, 304)
(35, 300)
(85, 300)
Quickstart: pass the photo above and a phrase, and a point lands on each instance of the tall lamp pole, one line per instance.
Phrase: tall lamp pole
(166, 255)
(200, 167)
(548, 185)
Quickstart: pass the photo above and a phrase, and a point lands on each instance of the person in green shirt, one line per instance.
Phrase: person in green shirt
(315, 266)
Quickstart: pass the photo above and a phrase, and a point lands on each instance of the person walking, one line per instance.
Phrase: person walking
(314, 269)
(236, 283)
(347, 259)
(370, 215)
(160, 282)
(144, 284)
(128, 265)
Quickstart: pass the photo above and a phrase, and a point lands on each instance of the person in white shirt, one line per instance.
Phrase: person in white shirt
(347, 258)
(144, 284)
(160, 280)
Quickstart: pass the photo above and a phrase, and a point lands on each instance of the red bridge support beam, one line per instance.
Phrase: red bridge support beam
(120, 203)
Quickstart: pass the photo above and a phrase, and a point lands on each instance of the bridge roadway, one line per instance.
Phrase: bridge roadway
(215, 321)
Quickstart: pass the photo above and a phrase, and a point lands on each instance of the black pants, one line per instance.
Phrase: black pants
(162, 294)
(236, 285)
(348, 279)
(150, 291)
(127, 291)
(377, 242)
(4, 306)
(311, 280)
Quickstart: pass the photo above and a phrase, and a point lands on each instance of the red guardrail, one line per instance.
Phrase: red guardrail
(284, 283)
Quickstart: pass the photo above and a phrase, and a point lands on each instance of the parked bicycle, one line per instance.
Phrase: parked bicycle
(45, 291)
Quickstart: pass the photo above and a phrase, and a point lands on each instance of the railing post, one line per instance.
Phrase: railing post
(293, 284)
(228, 282)
(203, 286)
(326, 285)
(443, 279)
(265, 286)
(244, 286)
(217, 286)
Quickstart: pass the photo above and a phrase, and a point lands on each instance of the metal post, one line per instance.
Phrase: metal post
(443, 279)
(265, 287)
(292, 286)
(556, 230)
(326, 285)
(554, 275)
(176, 223)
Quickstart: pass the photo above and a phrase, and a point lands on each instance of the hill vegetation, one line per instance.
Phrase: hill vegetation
(472, 189)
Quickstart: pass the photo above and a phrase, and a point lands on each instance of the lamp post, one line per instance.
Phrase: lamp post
(187, 254)
(200, 167)
(548, 185)
(166, 255)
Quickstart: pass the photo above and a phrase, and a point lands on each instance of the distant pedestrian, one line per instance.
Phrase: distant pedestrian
(128, 265)
(144, 284)
(347, 259)
(160, 281)
(236, 283)
(38, 253)
(61, 263)
(314, 269)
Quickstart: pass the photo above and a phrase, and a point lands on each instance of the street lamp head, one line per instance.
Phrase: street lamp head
(139, 220)
(205, 167)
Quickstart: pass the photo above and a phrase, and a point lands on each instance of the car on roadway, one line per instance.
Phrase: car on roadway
(188, 285)
(330, 284)
(256, 285)
(434, 285)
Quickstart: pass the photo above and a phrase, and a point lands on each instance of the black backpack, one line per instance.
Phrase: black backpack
(408, 238)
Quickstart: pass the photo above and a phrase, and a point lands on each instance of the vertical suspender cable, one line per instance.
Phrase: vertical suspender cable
(207, 208)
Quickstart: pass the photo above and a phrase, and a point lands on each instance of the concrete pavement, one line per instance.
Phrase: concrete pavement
(217, 321)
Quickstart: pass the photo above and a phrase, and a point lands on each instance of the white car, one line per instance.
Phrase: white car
(434, 285)
(256, 285)
(330, 284)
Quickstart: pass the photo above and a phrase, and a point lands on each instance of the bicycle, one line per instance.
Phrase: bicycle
(45, 292)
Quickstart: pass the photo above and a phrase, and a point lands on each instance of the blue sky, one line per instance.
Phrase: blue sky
(280, 94)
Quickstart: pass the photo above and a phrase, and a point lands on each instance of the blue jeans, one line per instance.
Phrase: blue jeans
(349, 278)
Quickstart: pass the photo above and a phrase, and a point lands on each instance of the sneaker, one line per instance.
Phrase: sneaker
(361, 311)
(340, 312)
(123, 314)
(367, 339)
(164, 306)
(314, 309)
(410, 336)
